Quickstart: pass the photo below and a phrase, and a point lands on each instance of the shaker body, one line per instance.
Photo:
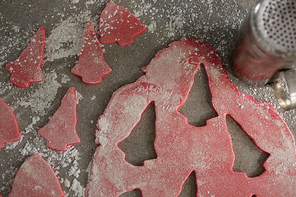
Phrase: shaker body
(267, 47)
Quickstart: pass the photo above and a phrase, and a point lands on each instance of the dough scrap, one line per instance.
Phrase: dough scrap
(9, 131)
(27, 68)
(91, 65)
(118, 25)
(35, 178)
(60, 132)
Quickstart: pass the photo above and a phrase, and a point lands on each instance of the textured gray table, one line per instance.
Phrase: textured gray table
(213, 22)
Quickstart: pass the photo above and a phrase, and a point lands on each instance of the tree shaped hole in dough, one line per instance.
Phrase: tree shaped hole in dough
(182, 148)
(27, 68)
(9, 130)
(118, 25)
(35, 178)
(91, 65)
(60, 132)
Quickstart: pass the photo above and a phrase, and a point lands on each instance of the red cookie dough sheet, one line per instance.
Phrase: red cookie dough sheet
(182, 148)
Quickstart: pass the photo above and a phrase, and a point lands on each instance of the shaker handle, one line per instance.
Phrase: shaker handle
(285, 90)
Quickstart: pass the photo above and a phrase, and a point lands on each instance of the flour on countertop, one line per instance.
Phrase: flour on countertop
(152, 27)
(75, 1)
(141, 9)
(14, 43)
(93, 98)
(79, 96)
(66, 39)
(77, 188)
(12, 145)
(41, 97)
(5, 87)
(67, 183)
(30, 128)
(175, 25)
(65, 78)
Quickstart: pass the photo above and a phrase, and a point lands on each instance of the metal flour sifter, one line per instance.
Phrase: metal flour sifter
(267, 49)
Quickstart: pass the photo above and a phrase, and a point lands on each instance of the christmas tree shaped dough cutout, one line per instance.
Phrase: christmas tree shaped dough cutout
(35, 178)
(118, 25)
(27, 68)
(9, 130)
(91, 65)
(61, 129)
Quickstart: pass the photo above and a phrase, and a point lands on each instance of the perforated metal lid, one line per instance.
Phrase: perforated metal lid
(276, 22)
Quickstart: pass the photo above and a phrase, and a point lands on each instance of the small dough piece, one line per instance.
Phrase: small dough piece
(118, 25)
(35, 178)
(9, 130)
(91, 65)
(60, 132)
(27, 68)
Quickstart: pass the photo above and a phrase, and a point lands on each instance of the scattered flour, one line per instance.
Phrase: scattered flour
(141, 9)
(89, 2)
(93, 98)
(16, 28)
(66, 39)
(13, 43)
(77, 188)
(79, 96)
(12, 145)
(175, 25)
(65, 79)
(41, 97)
(5, 87)
(152, 27)
(67, 183)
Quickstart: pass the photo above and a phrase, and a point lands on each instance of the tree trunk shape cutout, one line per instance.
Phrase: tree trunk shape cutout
(27, 68)
(91, 65)
(182, 148)
(35, 178)
(9, 131)
(118, 25)
(60, 132)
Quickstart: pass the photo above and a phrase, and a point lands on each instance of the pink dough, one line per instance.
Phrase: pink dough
(182, 148)
(118, 25)
(27, 68)
(60, 132)
(9, 130)
(35, 178)
(91, 65)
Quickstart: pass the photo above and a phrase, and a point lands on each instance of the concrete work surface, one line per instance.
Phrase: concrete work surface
(215, 23)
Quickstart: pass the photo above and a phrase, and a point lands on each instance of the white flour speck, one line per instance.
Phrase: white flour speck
(65, 79)
(79, 96)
